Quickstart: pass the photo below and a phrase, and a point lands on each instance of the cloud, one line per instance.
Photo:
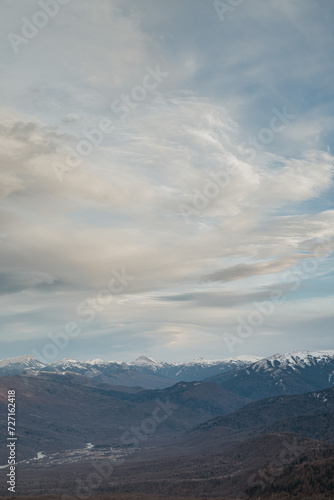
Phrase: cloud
(14, 281)
(243, 271)
(122, 206)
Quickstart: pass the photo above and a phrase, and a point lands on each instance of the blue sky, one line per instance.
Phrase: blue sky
(210, 182)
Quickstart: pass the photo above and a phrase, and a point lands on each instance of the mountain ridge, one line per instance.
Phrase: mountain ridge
(292, 373)
(249, 376)
(144, 371)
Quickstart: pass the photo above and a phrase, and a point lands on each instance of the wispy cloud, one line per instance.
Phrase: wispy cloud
(123, 205)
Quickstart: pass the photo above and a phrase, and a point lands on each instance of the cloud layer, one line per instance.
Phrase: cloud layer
(200, 187)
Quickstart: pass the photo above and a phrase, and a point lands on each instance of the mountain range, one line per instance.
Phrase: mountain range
(250, 377)
(224, 433)
(292, 373)
(145, 372)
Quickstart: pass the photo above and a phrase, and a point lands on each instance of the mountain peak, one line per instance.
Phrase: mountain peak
(18, 359)
(144, 360)
(294, 358)
(97, 361)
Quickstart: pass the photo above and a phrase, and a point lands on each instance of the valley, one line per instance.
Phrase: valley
(77, 434)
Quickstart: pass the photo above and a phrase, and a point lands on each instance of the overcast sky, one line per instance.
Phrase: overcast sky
(184, 144)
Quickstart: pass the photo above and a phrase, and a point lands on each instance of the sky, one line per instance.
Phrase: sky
(166, 178)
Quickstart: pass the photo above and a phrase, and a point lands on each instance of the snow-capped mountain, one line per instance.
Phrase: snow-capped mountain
(149, 362)
(249, 376)
(201, 368)
(19, 364)
(294, 360)
(293, 373)
(167, 373)
(144, 371)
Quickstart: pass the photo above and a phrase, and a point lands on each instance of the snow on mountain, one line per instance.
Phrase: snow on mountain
(144, 369)
(243, 359)
(20, 364)
(150, 373)
(292, 373)
(293, 360)
(68, 362)
(97, 361)
(148, 362)
(20, 359)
